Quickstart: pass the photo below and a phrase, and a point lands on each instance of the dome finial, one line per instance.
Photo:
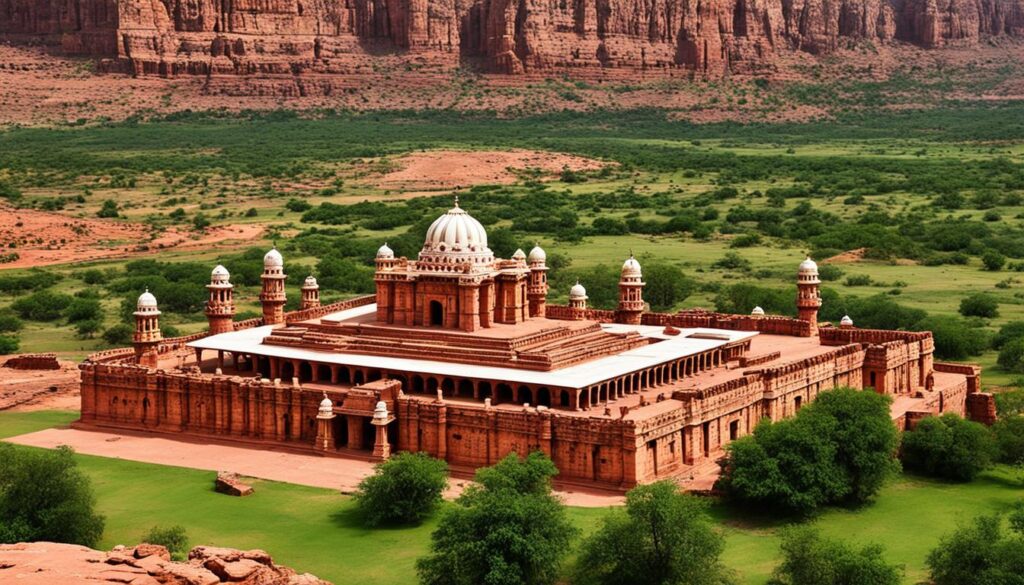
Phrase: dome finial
(456, 200)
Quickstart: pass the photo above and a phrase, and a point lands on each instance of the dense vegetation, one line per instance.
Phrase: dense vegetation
(404, 489)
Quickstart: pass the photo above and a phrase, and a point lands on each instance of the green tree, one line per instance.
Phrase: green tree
(840, 448)
(809, 559)
(506, 529)
(1011, 356)
(949, 447)
(174, 538)
(200, 222)
(980, 305)
(1009, 434)
(9, 344)
(83, 309)
(44, 305)
(980, 552)
(955, 338)
(9, 323)
(1007, 333)
(993, 260)
(662, 537)
(44, 496)
(667, 286)
(403, 489)
(88, 329)
(117, 335)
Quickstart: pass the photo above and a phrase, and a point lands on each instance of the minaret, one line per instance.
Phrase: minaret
(220, 308)
(537, 289)
(385, 259)
(577, 302)
(324, 425)
(310, 293)
(147, 331)
(272, 297)
(808, 297)
(631, 287)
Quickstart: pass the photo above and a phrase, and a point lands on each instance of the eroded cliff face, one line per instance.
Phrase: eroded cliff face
(706, 37)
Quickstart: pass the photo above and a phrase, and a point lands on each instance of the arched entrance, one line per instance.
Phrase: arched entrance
(436, 313)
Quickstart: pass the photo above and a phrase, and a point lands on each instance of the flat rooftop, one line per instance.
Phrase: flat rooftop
(663, 349)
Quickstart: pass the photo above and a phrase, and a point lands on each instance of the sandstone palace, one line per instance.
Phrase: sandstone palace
(459, 355)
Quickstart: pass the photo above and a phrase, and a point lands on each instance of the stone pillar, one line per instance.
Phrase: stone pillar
(310, 293)
(272, 295)
(381, 418)
(220, 307)
(631, 286)
(808, 297)
(324, 425)
(577, 302)
(146, 338)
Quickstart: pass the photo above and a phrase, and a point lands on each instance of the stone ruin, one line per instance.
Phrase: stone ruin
(49, 563)
(230, 484)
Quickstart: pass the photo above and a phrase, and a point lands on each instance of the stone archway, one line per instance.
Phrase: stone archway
(436, 313)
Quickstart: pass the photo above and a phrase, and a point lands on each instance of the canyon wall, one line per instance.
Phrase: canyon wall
(705, 37)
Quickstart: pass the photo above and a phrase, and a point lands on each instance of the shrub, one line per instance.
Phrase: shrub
(1011, 356)
(993, 260)
(83, 310)
(118, 335)
(1007, 333)
(298, 205)
(732, 261)
(44, 305)
(403, 489)
(109, 209)
(809, 559)
(667, 286)
(859, 280)
(62, 512)
(200, 222)
(1009, 434)
(948, 447)
(980, 305)
(978, 553)
(9, 323)
(955, 338)
(174, 538)
(88, 329)
(506, 528)
(9, 344)
(662, 537)
(838, 449)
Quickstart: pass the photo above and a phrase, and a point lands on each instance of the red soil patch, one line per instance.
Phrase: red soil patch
(453, 169)
(24, 390)
(847, 257)
(43, 238)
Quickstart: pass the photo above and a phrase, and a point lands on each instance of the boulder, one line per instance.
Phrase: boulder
(230, 484)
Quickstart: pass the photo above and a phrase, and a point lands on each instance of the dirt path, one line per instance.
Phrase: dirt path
(311, 470)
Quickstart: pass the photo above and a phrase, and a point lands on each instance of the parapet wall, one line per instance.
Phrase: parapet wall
(769, 324)
(33, 361)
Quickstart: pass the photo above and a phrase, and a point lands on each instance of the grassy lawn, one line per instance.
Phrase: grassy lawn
(315, 530)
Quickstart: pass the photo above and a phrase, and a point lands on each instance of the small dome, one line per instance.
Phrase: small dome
(385, 252)
(808, 266)
(577, 292)
(631, 267)
(846, 321)
(220, 275)
(757, 312)
(273, 259)
(537, 255)
(519, 254)
(326, 406)
(310, 282)
(146, 301)
(380, 412)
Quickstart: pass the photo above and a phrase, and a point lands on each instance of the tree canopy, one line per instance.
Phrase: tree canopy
(949, 447)
(403, 489)
(809, 559)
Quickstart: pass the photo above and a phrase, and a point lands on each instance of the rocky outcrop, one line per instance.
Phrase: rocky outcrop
(48, 563)
(287, 37)
(230, 484)
(33, 361)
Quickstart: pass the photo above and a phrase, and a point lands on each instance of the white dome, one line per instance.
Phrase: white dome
(846, 321)
(577, 292)
(385, 252)
(808, 266)
(758, 312)
(220, 275)
(519, 254)
(537, 254)
(273, 259)
(310, 282)
(455, 238)
(631, 267)
(381, 411)
(146, 301)
(326, 406)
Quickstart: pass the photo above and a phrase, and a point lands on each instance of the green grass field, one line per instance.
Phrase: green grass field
(316, 530)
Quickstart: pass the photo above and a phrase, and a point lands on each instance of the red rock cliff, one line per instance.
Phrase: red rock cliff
(505, 36)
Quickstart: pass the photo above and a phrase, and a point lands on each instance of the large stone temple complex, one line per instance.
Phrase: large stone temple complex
(458, 354)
